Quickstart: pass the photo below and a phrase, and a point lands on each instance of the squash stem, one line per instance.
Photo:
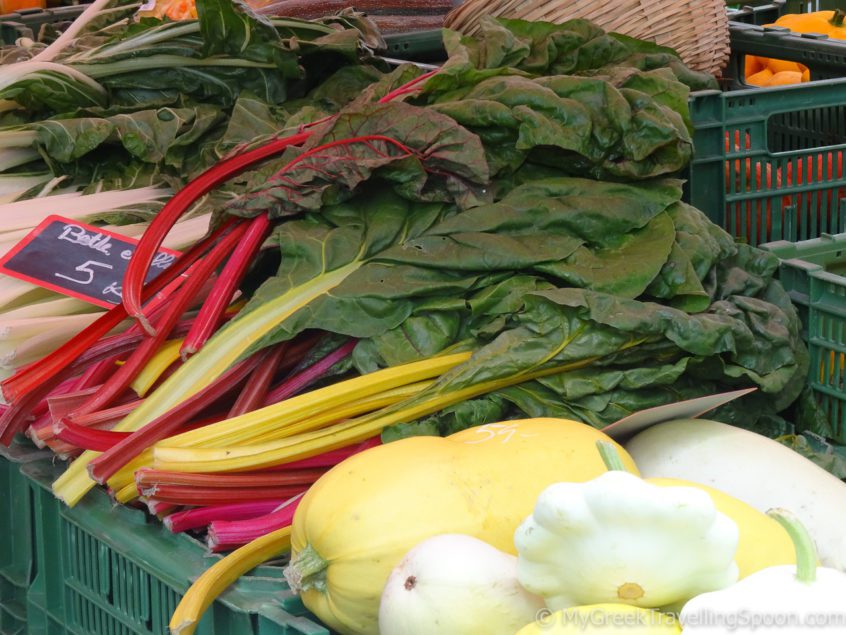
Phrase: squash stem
(610, 456)
(307, 571)
(806, 552)
(838, 18)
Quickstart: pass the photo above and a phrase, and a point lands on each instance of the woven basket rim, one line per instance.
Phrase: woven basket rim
(696, 29)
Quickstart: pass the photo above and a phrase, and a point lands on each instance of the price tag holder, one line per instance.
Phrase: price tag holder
(78, 260)
(629, 426)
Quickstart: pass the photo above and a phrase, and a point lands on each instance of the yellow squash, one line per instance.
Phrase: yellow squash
(762, 542)
(357, 522)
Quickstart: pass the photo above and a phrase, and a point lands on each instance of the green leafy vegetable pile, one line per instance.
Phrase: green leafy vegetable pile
(522, 205)
(519, 206)
(132, 102)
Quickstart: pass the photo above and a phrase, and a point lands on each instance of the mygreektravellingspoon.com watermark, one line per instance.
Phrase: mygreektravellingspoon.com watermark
(741, 620)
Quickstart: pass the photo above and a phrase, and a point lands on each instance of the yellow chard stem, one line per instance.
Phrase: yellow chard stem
(362, 406)
(126, 494)
(220, 575)
(270, 418)
(219, 353)
(126, 476)
(302, 446)
(161, 361)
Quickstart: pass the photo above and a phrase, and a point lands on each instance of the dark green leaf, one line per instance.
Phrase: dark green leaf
(425, 155)
(44, 90)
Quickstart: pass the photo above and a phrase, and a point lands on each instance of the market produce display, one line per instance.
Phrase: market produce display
(406, 303)
(356, 524)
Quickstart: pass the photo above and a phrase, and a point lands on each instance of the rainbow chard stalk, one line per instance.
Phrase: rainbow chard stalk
(34, 376)
(255, 390)
(331, 458)
(181, 300)
(225, 535)
(212, 311)
(223, 573)
(307, 376)
(162, 510)
(200, 517)
(148, 246)
(86, 438)
(171, 488)
(120, 454)
(87, 430)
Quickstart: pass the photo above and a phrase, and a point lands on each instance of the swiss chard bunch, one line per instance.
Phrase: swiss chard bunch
(119, 99)
(492, 239)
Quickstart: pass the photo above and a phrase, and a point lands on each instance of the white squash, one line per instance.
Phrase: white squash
(620, 539)
(785, 600)
(752, 468)
(456, 584)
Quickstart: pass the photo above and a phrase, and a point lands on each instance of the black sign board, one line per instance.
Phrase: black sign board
(78, 260)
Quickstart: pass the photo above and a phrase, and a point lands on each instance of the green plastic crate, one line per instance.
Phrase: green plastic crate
(768, 11)
(16, 548)
(751, 145)
(824, 57)
(814, 274)
(416, 46)
(104, 569)
(765, 11)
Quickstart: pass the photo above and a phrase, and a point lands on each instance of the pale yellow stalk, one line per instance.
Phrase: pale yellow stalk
(294, 448)
(126, 476)
(363, 406)
(207, 365)
(220, 575)
(126, 494)
(265, 420)
(159, 363)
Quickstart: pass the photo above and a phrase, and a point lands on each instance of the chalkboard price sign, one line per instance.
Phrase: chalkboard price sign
(78, 260)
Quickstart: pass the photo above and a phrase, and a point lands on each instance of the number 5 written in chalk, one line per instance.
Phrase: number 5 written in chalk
(85, 267)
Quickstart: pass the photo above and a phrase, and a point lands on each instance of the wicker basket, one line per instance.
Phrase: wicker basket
(696, 29)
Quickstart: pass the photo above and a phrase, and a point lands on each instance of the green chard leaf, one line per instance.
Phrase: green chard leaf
(580, 126)
(231, 27)
(163, 137)
(575, 47)
(44, 89)
(425, 156)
